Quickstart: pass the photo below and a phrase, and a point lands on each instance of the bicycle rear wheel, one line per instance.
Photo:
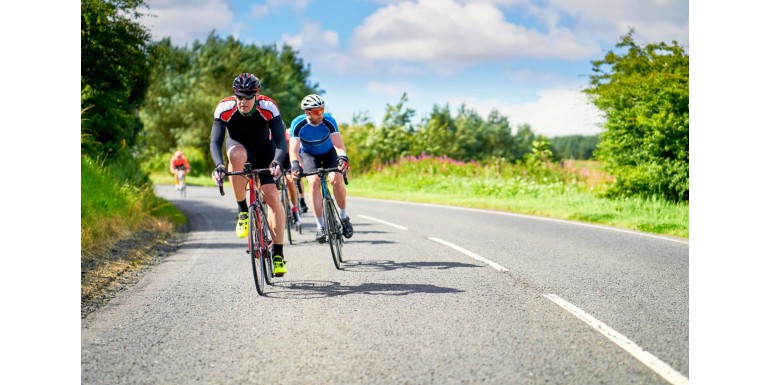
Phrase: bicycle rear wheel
(334, 230)
(256, 251)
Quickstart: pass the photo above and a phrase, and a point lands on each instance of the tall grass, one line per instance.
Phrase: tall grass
(117, 200)
(570, 190)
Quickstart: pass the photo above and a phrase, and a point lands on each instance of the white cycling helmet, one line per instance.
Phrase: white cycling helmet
(312, 101)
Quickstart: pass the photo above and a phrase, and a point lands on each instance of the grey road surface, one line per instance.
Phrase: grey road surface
(428, 295)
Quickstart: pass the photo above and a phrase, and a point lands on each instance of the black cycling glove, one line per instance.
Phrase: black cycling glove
(295, 168)
(219, 173)
(343, 163)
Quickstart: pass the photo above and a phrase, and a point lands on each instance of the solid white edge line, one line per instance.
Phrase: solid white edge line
(469, 253)
(383, 222)
(652, 362)
(683, 241)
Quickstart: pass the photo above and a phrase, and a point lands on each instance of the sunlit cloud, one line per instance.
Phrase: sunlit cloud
(186, 21)
(556, 112)
(457, 35)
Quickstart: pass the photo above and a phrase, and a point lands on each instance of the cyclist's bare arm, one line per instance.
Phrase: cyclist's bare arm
(294, 145)
(338, 143)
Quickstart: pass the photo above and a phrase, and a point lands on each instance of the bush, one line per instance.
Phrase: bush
(199, 162)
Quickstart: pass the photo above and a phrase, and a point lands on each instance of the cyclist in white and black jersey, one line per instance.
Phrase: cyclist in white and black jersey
(255, 133)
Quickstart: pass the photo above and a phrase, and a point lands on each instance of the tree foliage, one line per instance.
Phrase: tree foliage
(644, 94)
(574, 147)
(463, 136)
(114, 74)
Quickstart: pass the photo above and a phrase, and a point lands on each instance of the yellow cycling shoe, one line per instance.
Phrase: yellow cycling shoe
(242, 227)
(279, 268)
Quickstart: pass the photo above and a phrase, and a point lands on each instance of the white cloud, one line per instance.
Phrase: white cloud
(446, 34)
(322, 48)
(260, 10)
(185, 21)
(557, 112)
(607, 20)
(389, 89)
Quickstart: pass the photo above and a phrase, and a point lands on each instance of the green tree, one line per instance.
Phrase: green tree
(574, 146)
(392, 140)
(644, 94)
(114, 74)
(523, 141)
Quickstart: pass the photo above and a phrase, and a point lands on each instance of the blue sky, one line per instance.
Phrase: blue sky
(528, 59)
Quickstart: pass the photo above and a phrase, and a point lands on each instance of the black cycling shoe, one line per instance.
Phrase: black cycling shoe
(347, 228)
(302, 205)
(320, 236)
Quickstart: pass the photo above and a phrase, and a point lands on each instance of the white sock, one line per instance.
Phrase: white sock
(343, 214)
(320, 222)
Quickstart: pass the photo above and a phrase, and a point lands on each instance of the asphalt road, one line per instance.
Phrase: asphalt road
(428, 295)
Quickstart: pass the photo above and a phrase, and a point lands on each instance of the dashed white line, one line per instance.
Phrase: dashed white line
(469, 253)
(652, 362)
(383, 222)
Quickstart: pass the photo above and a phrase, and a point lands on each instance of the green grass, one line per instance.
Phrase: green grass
(113, 207)
(569, 192)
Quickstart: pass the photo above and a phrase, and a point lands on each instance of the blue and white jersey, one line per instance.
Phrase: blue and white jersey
(315, 139)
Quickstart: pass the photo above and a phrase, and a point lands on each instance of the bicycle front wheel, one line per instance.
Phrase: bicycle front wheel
(256, 251)
(287, 209)
(334, 230)
(267, 250)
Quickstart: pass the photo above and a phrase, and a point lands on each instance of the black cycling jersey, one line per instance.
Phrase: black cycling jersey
(253, 131)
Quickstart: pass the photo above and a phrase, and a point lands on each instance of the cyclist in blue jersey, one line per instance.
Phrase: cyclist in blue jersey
(255, 134)
(316, 143)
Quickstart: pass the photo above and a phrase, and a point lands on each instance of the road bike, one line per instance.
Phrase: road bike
(283, 188)
(181, 180)
(260, 245)
(331, 214)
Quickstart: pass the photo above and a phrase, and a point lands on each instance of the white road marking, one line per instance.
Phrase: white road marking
(649, 360)
(469, 253)
(383, 222)
(652, 362)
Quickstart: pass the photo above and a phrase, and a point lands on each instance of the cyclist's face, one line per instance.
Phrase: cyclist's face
(315, 115)
(246, 104)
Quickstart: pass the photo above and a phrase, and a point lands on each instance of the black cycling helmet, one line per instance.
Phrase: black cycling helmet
(246, 84)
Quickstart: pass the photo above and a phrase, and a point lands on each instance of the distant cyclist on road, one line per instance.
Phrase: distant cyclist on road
(178, 162)
(316, 134)
(250, 119)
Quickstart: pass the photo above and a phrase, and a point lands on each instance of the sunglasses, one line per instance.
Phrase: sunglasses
(246, 97)
(315, 110)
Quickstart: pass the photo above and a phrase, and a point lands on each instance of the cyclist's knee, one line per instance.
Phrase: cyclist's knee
(237, 156)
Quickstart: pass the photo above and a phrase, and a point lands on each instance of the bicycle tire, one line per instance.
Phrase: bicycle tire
(267, 250)
(182, 185)
(256, 251)
(287, 209)
(339, 239)
(333, 232)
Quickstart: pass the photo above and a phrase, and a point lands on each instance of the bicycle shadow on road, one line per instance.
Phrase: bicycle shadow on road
(316, 289)
(386, 265)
